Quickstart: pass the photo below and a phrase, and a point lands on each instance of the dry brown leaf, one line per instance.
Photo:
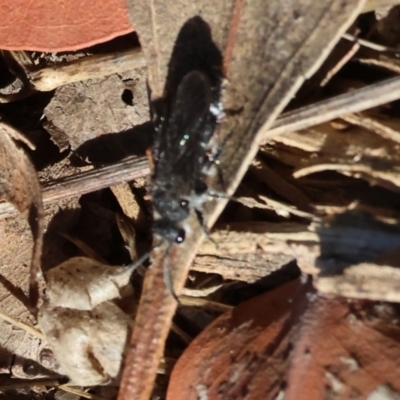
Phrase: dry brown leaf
(86, 110)
(22, 353)
(20, 186)
(86, 331)
(88, 345)
(81, 283)
(344, 349)
(292, 343)
(61, 26)
(243, 353)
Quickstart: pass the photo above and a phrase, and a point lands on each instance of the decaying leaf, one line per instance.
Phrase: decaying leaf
(88, 345)
(86, 110)
(86, 331)
(82, 283)
(20, 186)
(343, 349)
(295, 343)
(243, 351)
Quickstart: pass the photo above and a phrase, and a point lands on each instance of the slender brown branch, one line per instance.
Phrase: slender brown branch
(326, 110)
(48, 78)
(96, 66)
(89, 181)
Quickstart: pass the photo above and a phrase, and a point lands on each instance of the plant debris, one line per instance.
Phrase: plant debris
(293, 293)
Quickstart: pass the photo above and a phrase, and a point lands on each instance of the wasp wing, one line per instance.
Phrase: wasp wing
(180, 143)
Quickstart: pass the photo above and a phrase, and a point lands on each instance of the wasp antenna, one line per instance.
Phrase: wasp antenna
(139, 261)
(134, 265)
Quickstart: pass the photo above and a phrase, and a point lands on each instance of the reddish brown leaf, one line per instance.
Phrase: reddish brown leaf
(243, 351)
(294, 341)
(60, 25)
(343, 350)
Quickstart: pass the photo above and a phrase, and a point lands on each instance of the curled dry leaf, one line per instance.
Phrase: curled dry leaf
(88, 345)
(314, 346)
(79, 315)
(81, 283)
(20, 186)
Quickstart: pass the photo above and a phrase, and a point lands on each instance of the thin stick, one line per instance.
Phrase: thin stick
(85, 182)
(326, 110)
(27, 328)
(78, 392)
(96, 66)
(367, 43)
(13, 384)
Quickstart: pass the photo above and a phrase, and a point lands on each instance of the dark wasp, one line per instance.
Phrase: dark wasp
(184, 122)
(181, 156)
(181, 148)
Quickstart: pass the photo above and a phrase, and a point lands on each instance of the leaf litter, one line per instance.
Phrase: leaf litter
(322, 200)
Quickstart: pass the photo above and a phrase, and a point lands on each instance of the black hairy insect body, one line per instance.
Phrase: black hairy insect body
(181, 147)
(184, 122)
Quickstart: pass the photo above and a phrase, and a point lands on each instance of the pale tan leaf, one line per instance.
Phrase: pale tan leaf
(81, 283)
(88, 345)
(86, 331)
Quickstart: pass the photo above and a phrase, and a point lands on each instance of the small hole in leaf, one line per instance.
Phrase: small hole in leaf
(127, 97)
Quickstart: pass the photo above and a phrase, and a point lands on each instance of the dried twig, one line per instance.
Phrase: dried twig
(27, 328)
(49, 78)
(326, 110)
(85, 182)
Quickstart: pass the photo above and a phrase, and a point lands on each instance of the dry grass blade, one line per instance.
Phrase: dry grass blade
(261, 84)
(210, 305)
